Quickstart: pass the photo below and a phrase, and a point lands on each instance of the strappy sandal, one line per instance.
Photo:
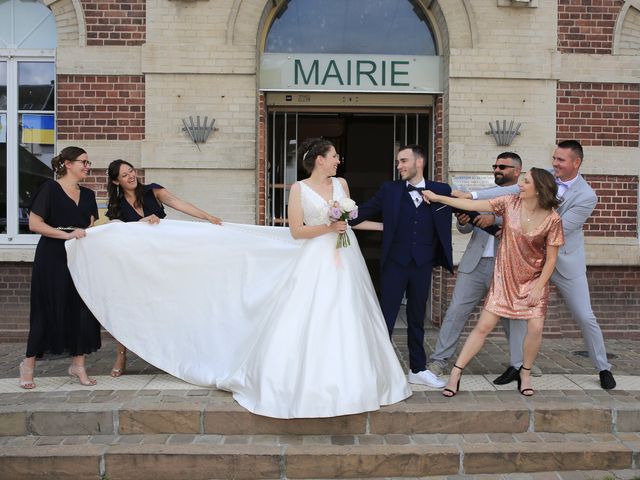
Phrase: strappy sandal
(116, 372)
(76, 370)
(524, 391)
(448, 390)
(24, 370)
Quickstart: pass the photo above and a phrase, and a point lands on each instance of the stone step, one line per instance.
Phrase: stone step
(212, 418)
(159, 457)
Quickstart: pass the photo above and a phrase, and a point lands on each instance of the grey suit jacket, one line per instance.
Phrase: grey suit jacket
(576, 207)
(479, 237)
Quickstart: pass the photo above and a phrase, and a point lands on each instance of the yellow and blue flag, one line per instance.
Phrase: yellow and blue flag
(38, 129)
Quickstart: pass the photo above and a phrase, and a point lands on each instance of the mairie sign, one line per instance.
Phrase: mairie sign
(357, 73)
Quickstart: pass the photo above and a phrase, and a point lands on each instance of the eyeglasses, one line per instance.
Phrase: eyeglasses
(502, 167)
(85, 163)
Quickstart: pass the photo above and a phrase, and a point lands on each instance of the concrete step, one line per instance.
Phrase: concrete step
(159, 457)
(213, 418)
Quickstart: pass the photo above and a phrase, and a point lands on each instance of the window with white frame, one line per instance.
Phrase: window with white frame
(27, 111)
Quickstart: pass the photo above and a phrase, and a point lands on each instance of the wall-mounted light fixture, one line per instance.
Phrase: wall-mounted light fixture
(198, 132)
(503, 135)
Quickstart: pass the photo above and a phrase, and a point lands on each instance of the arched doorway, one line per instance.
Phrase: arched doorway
(363, 73)
(27, 111)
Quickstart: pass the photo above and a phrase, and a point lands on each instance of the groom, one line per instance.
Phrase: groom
(416, 238)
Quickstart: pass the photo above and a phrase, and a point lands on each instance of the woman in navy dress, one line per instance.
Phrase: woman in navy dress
(132, 201)
(60, 322)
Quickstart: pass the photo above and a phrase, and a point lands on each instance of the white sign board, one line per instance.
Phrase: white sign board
(472, 183)
(351, 73)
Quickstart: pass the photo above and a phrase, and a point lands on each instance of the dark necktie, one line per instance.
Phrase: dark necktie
(411, 188)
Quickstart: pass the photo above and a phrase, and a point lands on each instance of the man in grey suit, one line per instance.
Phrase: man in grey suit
(476, 266)
(569, 276)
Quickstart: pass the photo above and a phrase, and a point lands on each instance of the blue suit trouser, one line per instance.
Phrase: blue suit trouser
(416, 282)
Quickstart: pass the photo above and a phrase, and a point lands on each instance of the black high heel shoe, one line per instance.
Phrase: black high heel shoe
(453, 394)
(524, 391)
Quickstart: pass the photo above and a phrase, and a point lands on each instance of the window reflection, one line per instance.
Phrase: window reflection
(36, 90)
(3, 86)
(391, 27)
(3, 147)
(36, 132)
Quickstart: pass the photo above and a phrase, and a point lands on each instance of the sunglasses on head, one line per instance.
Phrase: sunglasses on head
(502, 167)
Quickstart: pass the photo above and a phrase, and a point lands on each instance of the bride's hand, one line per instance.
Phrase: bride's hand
(338, 227)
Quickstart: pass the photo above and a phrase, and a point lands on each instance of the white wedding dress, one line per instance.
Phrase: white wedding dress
(292, 328)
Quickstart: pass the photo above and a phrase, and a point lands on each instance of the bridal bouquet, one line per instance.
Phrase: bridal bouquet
(345, 209)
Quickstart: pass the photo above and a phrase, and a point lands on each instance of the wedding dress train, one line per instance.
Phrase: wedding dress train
(291, 327)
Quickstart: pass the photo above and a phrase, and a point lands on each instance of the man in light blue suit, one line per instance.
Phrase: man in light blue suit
(570, 274)
(476, 266)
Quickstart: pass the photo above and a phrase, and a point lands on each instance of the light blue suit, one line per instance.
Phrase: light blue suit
(475, 273)
(570, 275)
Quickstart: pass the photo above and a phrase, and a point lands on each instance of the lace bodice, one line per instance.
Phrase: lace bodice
(315, 208)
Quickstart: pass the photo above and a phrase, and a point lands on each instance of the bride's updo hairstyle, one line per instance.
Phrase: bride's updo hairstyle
(67, 153)
(310, 149)
(546, 188)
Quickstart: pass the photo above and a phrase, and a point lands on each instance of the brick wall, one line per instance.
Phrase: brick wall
(616, 214)
(101, 107)
(615, 299)
(598, 114)
(15, 287)
(587, 26)
(115, 22)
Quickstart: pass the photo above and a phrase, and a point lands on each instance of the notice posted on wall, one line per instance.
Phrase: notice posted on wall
(3, 128)
(472, 183)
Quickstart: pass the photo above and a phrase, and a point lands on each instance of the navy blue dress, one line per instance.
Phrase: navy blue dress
(60, 322)
(150, 205)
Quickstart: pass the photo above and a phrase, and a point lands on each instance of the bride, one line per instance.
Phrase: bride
(292, 327)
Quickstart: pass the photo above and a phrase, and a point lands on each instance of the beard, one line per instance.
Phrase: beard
(500, 179)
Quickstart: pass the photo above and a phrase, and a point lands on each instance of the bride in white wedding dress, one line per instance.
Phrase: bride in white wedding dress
(291, 327)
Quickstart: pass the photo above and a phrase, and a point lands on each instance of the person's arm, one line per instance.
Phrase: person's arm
(369, 225)
(168, 198)
(488, 193)
(38, 225)
(459, 203)
(547, 270)
(574, 217)
(296, 219)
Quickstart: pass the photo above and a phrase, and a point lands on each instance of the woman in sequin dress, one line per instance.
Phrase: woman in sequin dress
(526, 257)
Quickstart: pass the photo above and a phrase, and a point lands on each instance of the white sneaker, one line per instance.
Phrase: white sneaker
(427, 378)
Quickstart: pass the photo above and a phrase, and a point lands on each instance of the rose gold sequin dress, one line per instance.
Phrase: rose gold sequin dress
(519, 261)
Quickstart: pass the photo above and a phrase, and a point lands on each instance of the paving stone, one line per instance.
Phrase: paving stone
(56, 462)
(234, 420)
(370, 461)
(628, 420)
(163, 462)
(564, 420)
(70, 423)
(13, 423)
(343, 440)
(172, 419)
(540, 457)
(180, 439)
(411, 419)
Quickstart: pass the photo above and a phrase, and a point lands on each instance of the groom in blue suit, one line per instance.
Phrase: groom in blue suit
(416, 238)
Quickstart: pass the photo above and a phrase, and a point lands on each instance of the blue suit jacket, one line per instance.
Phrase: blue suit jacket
(387, 200)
